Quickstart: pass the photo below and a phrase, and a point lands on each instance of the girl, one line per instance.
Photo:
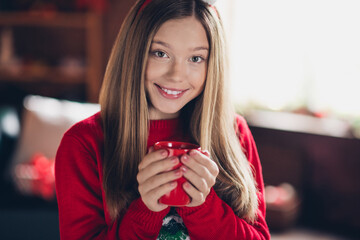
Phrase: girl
(164, 81)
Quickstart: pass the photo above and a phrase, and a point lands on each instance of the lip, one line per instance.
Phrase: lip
(170, 96)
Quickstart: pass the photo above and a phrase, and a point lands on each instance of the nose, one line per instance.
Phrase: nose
(177, 71)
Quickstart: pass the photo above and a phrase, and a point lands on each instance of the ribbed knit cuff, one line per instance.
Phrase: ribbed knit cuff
(144, 216)
(185, 211)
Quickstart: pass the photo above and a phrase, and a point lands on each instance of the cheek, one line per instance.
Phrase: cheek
(199, 78)
(147, 78)
(149, 72)
(154, 70)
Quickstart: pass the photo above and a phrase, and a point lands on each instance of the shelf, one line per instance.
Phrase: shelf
(46, 74)
(62, 20)
(90, 22)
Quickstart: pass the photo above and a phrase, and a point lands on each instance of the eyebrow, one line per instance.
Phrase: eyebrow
(168, 46)
(161, 43)
(200, 48)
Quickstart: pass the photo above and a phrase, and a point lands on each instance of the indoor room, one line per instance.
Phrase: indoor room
(294, 75)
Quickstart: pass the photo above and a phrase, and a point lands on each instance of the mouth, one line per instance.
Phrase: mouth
(170, 93)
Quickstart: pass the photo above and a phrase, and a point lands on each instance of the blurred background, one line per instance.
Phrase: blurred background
(295, 76)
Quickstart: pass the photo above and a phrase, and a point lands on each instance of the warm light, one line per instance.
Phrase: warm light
(285, 53)
(11, 124)
(36, 177)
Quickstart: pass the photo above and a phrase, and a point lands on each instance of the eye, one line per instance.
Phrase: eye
(160, 54)
(196, 59)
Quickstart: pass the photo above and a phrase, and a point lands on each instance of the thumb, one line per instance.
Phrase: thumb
(151, 149)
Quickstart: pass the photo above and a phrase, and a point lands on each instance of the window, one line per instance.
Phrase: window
(292, 53)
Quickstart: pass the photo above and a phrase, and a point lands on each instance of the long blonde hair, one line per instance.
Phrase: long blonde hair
(124, 109)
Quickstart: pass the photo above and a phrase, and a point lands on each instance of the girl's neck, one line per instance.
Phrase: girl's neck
(156, 115)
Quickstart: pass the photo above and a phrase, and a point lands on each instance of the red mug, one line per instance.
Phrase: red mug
(177, 197)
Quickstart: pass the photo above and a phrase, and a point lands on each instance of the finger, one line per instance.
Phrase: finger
(151, 149)
(151, 199)
(197, 197)
(159, 207)
(153, 157)
(157, 193)
(200, 169)
(159, 180)
(204, 160)
(156, 168)
(200, 183)
(206, 153)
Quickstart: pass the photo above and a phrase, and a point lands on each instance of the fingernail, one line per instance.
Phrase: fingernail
(206, 152)
(178, 173)
(185, 158)
(184, 169)
(192, 152)
(164, 153)
(174, 160)
(173, 184)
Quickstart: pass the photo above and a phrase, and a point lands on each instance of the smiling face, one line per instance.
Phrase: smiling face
(176, 67)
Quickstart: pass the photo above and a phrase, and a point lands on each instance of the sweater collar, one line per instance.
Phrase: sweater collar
(165, 123)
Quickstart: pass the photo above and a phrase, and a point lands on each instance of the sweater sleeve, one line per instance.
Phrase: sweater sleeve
(214, 219)
(82, 209)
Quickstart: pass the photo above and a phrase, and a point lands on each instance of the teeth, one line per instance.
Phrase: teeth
(171, 92)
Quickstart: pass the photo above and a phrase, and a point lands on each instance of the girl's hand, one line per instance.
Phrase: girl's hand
(155, 178)
(201, 172)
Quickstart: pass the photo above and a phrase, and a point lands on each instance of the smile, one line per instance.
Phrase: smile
(170, 93)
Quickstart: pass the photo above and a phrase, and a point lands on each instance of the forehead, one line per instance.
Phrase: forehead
(184, 31)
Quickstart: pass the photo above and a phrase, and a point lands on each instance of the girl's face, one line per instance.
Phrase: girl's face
(177, 66)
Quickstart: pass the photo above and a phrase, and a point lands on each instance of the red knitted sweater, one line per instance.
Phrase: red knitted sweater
(82, 208)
